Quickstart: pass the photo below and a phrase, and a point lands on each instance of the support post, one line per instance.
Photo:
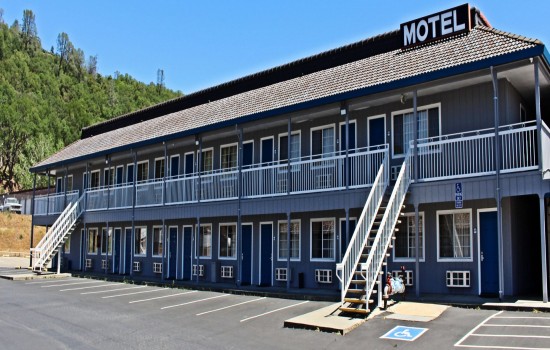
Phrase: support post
(538, 112)
(164, 250)
(32, 216)
(415, 137)
(199, 172)
(289, 144)
(288, 274)
(133, 235)
(48, 195)
(165, 174)
(344, 110)
(106, 248)
(417, 250)
(197, 253)
(497, 185)
(240, 255)
(347, 233)
(543, 251)
(65, 187)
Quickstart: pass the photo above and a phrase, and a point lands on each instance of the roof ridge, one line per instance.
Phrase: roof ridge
(509, 34)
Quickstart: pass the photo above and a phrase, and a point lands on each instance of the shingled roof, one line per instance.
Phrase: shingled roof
(379, 72)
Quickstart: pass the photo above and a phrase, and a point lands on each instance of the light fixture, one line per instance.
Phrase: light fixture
(343, 111)
(403, 98)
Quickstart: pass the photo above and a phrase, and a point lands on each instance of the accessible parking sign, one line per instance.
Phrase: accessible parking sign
(404, 333)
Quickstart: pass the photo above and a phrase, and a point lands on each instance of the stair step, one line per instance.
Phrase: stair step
(356, 301)
(358, 282)
(357, 291)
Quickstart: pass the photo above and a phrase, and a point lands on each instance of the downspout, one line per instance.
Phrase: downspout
(497, 186)
(32, 216)
(541, 195)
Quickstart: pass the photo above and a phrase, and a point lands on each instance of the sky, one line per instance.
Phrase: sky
(202, 43)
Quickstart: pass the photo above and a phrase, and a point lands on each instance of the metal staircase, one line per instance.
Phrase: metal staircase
(362, 263)
(58, 233)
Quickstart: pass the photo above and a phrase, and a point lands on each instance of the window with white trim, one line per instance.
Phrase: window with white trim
(405, 245)
(158, 242)
(69, 183)
(205, 241)
(109, 176)
(140, 241)
(228, 241)
(323, 239)
(403, 126)
(454, 235)
(143, 171)
(207, 160)
(294, 240)
(67, 245)
(106, 241)
(93, 238)
(294, 146)
(94, 179)
(159, 168)
(322, 141)
(228, 154)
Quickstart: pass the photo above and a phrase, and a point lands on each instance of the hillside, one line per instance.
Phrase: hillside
(48, 95)
(15, 233)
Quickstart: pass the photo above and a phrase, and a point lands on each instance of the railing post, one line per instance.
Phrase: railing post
(289, 144)
(108, 181)
(538, 112)
(199, 179)
(48, 194)
(165, 174)
(65, 186)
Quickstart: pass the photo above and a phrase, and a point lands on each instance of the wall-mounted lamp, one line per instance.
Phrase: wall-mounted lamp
(106, 159)
(403, 98)
(196, 142)
(343, 111)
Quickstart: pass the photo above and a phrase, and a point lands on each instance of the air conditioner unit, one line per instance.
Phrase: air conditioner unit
(88, 263)
(323, 276)
(227, 271)
(323, 181)
(157, 267)
(198, 270)
(458, 279)
(104, 264)
(281, 274)
(137, 266)
(407, 279)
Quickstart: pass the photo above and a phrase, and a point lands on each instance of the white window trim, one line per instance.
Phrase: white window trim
(204, 150)
(262, 150)
(410, 110)
(296, 132)
(454, 211)
(111, 171)
(116, 173)
(340, 140)
(227, 145)
(62, 189)
(85, 179)
(136, 171)
(96, 248)
(72, 181)
(133, 175)
(66, 244)
(155, 168)
(134, 241)
(299, 258)
(204, 257)
(311, 258)
(423, 258)
(90, 179)
(170, 172)
(153, 241)
(193, 171)
(106, 237)
(322, 127)
(220, 242)
(377, 116)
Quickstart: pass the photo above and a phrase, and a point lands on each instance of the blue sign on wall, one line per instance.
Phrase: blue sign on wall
(458, 195)
(404, 333)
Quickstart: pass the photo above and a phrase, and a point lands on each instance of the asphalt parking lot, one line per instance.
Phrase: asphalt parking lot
(94, 314)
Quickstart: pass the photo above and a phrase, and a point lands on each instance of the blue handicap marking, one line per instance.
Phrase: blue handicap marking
(404, 333)
(458, 187)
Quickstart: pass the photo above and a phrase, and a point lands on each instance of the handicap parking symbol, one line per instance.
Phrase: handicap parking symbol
(404, 333)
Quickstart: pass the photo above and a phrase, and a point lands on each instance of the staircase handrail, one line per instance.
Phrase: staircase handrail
(346, 269)
(385, 232)
(54, 236)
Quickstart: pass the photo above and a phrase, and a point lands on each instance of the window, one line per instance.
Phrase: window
(228, 156)
(140, 241)
(130, 173)
(207, 157)
(106, 241)
(205, 241)
(228, 241)
(322, 239)
(109, 176)
(403, 127)
(405, 245)
(94, 179)
(67, 245)
(322, 141)
(352, 135)
(143, 171)
(59, 185)
(158, 247)
(294, 146)
(93, 240)
(174, 165)
(69, 183)
(159, 168)
(454, 235)
(294, 240)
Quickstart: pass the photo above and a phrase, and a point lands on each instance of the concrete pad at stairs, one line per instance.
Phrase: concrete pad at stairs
(417, 312)
(326, 320)
(27, 275)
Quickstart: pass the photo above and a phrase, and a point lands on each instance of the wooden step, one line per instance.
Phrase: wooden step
(359, 282)
(355, 301)
(357, 291)
(354, 311)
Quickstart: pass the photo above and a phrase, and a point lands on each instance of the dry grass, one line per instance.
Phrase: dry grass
(15, 233)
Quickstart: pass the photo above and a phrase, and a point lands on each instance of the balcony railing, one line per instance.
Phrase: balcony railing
(472, 153)
(50, 204)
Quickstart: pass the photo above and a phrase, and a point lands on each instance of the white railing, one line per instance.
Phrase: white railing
(545, 141)
(181, 189)
(472, 153)
(149, 193)
(222, 184)
(377, 254)
(346, 269)
(49, 204)
(55, 236)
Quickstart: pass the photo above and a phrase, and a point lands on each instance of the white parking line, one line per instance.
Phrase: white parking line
(71, 284)
(270, 312)
(125, 294)
(100, 286)
(111, 290)
(515, 325)
(195, 301)
(164, 296)
(230, 306)
(511, 336)
(52, 281)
